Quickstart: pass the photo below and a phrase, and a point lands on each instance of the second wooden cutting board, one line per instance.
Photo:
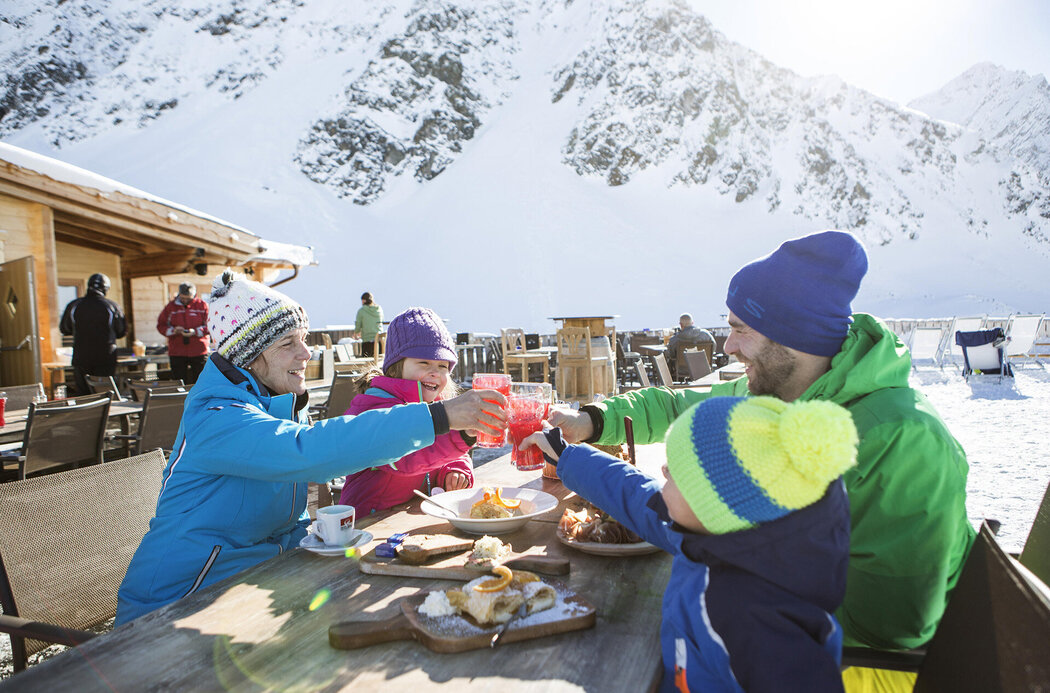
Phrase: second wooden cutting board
(452, 566)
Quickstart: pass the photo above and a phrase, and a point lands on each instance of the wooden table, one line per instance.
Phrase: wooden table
(595, 322)
(15, 420)
(267, 628)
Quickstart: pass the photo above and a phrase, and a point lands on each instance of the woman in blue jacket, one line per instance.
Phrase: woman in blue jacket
(756, 519)
(234, 489)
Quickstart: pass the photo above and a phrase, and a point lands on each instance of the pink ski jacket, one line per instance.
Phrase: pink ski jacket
(383, 487)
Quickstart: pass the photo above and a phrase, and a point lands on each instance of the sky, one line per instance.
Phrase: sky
(898, 49)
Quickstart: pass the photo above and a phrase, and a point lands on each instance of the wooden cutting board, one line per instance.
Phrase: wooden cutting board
(452, 566)
(459, 634)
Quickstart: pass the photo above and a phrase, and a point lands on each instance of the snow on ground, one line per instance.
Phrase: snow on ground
(1003, 428)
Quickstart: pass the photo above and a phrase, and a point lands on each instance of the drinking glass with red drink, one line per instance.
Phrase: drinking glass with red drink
(529, 403)
(491, 438)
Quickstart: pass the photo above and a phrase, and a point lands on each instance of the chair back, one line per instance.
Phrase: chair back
(104, 383)
(663, 373)
(574, 343)
(342, 353)
(327, 364)
(66, 540)
(995, 633)
(20, 396)
(966, 324)
(643, 377)
(512, 339)
(64, 432)
(160, 419)
(697, 363)
(340, 394)
(1036, 552)
(1022, 331)
(983, 351)
(139, 388)
(927, 344)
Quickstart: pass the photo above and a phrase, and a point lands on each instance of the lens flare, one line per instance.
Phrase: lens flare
(319, 599)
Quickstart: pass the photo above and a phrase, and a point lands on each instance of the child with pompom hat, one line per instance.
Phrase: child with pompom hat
(756, 518)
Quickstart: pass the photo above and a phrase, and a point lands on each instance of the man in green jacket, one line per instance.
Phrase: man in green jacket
(793, 328)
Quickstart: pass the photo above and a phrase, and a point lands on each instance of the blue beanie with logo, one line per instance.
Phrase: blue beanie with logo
(799, 295)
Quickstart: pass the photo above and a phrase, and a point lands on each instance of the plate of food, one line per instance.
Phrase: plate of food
(490, 510)
(515, 603)
(593, 531)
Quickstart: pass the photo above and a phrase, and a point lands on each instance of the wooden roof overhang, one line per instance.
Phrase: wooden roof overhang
(150, 237)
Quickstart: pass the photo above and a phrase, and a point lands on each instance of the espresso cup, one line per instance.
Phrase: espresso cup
(335, 525)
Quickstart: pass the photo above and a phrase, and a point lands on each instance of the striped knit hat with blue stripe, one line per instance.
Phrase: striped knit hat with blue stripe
(245, 317)
(742, 461)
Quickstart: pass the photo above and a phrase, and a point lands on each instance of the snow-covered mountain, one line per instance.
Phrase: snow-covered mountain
(505, 161)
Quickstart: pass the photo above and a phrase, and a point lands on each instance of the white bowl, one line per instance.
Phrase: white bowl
(533, 503)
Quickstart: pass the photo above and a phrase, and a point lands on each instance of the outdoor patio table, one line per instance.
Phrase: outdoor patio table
(267, 627)
(15, 420)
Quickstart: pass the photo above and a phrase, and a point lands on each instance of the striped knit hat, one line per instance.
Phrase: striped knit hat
(245, 317)
(741, 461)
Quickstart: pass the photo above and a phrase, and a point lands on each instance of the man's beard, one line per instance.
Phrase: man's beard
(771, 368)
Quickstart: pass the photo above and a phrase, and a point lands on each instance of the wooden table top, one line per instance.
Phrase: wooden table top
(267, 628)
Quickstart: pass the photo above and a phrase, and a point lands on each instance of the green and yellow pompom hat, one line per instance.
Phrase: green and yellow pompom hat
(742, 461)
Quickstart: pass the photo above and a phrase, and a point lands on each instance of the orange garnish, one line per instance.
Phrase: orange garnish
(484, 499)
(506, 503)
(505, 576)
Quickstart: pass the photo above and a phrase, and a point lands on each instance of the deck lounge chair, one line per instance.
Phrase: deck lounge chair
(1022, 331)
(965, 324)
(928, 344)
(984, 353)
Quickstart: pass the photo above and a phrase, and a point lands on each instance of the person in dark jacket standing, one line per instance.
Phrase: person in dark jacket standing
(755, 516)
(184, 321)
(95, 323)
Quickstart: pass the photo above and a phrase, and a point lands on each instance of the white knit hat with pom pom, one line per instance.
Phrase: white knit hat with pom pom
(741, 461)
(245, 317)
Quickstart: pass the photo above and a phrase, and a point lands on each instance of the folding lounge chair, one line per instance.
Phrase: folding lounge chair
(984, 352)
(966, 324)
(927, 344)
(1022, 333)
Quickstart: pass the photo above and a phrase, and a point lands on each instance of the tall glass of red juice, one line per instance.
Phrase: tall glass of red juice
(525, 417)
(500, 382)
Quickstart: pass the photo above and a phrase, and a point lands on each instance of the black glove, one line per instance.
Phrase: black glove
(557, 443)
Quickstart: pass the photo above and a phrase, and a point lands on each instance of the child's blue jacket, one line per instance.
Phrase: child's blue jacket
(234, 489)
(750, 610)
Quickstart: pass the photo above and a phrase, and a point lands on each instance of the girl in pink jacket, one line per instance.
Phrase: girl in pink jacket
(420, 354)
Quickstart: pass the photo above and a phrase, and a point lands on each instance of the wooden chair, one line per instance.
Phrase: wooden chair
(663, 373)
(517, 355)
(63, 433)
(994, 635)
(341, 392)
(697, 364)
(576, 365)
(379, 348)
(625, 364)
(20, 396)
(643, 377)
(159, 420)
(66, 540)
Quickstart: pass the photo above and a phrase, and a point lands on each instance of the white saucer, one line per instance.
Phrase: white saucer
(312, 542)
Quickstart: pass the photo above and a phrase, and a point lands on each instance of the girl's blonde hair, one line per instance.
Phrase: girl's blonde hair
(397, 370)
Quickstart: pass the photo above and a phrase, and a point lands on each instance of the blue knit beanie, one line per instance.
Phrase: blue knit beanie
(799, 295)
(418, 333)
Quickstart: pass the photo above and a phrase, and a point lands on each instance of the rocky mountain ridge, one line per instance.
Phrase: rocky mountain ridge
(651, 90)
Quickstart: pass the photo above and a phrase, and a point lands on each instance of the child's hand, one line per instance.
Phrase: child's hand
(549, 440)
(455, 481)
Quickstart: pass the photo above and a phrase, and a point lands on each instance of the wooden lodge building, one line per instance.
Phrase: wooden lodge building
(60, 224)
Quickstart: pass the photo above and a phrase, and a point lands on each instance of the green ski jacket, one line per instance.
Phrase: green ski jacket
(909, 531)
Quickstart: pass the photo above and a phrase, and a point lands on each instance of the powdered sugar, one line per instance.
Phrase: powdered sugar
(458, 627)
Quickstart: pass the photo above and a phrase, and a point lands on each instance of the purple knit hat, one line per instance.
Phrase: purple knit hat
(418, 333)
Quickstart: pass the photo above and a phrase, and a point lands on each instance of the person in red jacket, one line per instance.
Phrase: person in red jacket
(184, 321)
